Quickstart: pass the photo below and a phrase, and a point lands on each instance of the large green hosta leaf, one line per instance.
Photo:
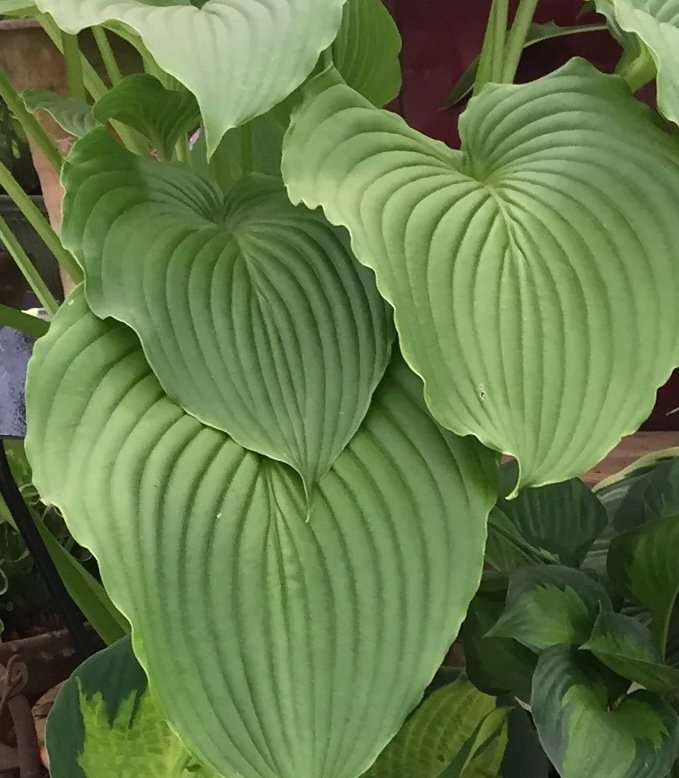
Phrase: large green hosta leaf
(238, 57)
(254, 314)
(528, 271)
(583, 738)
(281, 642)
(105, 722)
(656, 22)
(366, 51)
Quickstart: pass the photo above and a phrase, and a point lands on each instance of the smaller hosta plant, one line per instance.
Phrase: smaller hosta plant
(591, 649)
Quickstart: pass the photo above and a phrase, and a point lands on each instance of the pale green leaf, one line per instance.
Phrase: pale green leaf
(161, 115)
(560, 521)
(529, 271)
(71, 114)
(582, 737)
(550, 605)
(626, 646)
(253, 313)
(282, 640)
(656, 23)
(643, 562)
(366, 51)
(444, 728)
(238, 57)
(105, 723)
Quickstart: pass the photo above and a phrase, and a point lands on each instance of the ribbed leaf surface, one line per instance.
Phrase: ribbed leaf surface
(528, 271)
(238, 57)
(280, 642)
(253, 314)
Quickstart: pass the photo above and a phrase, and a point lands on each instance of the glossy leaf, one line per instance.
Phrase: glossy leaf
(161, 115)
(446, 728)
(281, 639)
(643, 562)
(549, 606)
(560, 520)
(238, 58)
(253, 314)
(536, 34)
(626, 646)
(582, 737)
(661, 495)
(105, 722)
(506, 261)
(71, 114)
(495, 665)
(656, 23)
(366, 51)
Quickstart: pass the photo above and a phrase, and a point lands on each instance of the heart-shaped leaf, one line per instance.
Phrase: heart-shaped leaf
(163, 116)
(105, 722)
(561, 520)
(71, 114)
(253, 313)
(550, 605)
(656, 23)
(366, 51)
(447, 729)
(282, 639)
(239, 58)
(643, 562)
(582, 737)
(527, 271)
(626, 646)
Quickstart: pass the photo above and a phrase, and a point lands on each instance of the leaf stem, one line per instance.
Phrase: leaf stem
(30, 124)
(74, 67)
(35, 218)
(107, 55)
(516, 40)
(24, 322)
(27, 268)
(491, 58)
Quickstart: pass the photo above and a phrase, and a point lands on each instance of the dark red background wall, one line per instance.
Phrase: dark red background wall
(441, 37)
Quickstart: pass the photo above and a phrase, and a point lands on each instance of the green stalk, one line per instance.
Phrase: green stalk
(24, 322)
(27, 268)
(492, 53)
(516, 40)
(637, 69)
(30, 124)
(74, 66)
(107, 55)
(35, 218)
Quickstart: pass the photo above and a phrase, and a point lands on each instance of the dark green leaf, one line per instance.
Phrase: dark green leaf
(550, 605)
(524, 757)
(643, 562)
(626, 646)
(559, 520)
(583, 737)
(495, 665)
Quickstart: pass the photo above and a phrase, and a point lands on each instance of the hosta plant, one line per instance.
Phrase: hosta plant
(273, 408)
